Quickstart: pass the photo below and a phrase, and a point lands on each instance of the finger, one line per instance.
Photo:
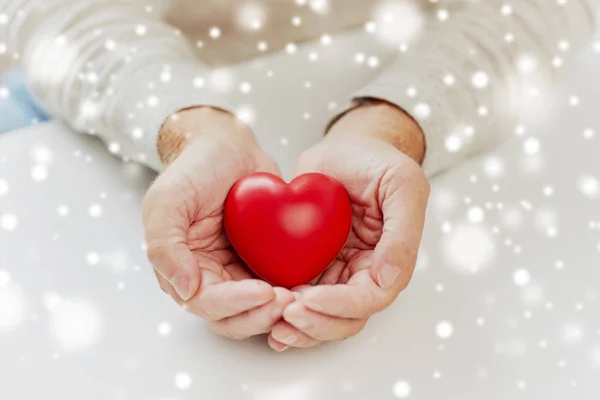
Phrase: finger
(268, 164)
(275, 345)
(166, 287)
(238, 271)
(166, 224)
(284, 336)
(226, 299)
(404, 201)
(332, 275)
(298, 290)
(358, 299)
(319, 326)
(256, 321)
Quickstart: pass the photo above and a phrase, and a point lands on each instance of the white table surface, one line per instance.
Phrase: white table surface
(81, 316)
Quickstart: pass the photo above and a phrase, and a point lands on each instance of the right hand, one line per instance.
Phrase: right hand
(206, 152)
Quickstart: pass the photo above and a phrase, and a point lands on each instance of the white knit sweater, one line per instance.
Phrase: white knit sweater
(91, 61)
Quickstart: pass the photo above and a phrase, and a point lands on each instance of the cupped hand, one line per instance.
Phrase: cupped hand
(368, 151)
(206, 152)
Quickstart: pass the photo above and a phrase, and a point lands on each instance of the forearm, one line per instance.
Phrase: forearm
(185, 126)
(467, 82)
(383, 120)
(108, 69)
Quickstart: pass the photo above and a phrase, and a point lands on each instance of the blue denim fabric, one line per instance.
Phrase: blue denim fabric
(18, 109)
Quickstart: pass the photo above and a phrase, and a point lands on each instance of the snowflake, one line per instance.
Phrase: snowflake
(4, 187)
(444, 330)
(92, 258)
(245, 87)
(469, 248)
(572, 334)
(76, 324)
(9, 222)
(222, 80)
(164, 328)
(531, 146)
(402, 389)
(291, 48)
(326, 40)
(422, 110)
(453, 143)
(246, 114)
(589, 186)
(397, 22)
(262, 46)
(13, 303)
(527, 64)
(319, 6)
(588, 133)
(214, 32)
(449, 79)
(475, 214)
(198, 82)
(251, 16)
(442, 14)
(95, 210)
(4, 93)
(574, 101)
(373, 61)
(480, 80)
(62, 210)
(141, 30)
(521, 277)
(183, 381)
(51, 300)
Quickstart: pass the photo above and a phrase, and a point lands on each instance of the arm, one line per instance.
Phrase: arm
(107, 68)
(374, 150)
(471, 74)
(111, 70)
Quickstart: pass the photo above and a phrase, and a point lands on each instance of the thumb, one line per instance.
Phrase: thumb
(166, 226)
(403, 204)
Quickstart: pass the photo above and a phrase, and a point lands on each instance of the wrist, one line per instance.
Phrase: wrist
(385, 121)
(183, 128)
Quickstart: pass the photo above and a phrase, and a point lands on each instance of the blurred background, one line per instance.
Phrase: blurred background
(505, 302)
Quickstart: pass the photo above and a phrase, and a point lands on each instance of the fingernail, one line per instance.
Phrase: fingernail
(283, 349)
(289, 340)
(388, 276)
(183, 286)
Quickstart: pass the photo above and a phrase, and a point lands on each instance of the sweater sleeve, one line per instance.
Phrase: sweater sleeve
(471, 77)
(108, 68)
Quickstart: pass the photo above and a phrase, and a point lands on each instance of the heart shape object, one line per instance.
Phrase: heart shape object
(288, 234)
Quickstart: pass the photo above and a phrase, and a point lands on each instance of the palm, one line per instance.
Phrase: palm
(192, 191)
(206, 237)
(192, 257)
(214, 254)
(364, 181)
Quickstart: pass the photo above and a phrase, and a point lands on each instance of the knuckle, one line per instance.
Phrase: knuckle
(355, 330)
(206, 314)
(154, 197)
(200, 310)
(373, 303)
(156, 253)
(403, 284)
(224, 329)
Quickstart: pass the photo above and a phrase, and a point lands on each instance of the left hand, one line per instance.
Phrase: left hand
(368, 151)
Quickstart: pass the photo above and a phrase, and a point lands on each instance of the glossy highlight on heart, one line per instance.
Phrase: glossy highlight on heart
(288, 234)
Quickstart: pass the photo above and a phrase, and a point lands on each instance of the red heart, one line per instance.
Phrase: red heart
(288, 234)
